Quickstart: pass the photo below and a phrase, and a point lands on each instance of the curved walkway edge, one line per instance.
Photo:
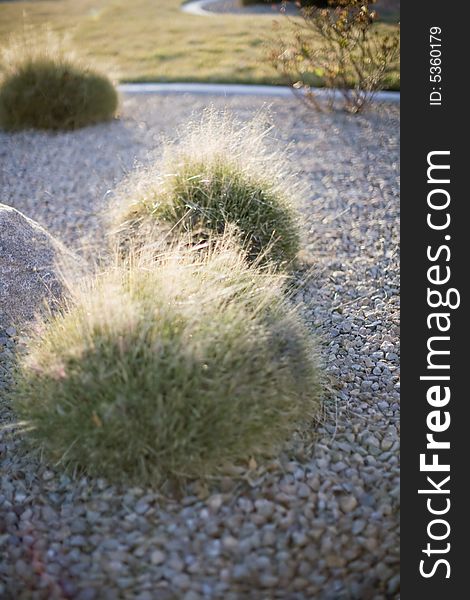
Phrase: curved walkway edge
(196, 7)
(229, 89)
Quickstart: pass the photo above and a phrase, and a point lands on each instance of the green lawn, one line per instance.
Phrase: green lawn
(152, 40)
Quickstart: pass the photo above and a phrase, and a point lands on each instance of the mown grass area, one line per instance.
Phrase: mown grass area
(152, 40)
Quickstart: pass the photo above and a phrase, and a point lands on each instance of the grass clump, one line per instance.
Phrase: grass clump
(220, 173)
(45, 87)
(168, 368)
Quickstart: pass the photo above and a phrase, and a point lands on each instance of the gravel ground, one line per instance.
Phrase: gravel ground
(322, 521)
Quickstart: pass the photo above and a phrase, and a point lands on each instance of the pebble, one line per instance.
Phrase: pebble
(348, 504)
(141, 507)
(157, 557)
(393, 584)
(87, 594)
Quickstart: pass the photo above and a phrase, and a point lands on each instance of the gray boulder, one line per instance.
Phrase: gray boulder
(29, 275)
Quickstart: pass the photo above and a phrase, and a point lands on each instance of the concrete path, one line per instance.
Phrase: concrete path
(229, 89)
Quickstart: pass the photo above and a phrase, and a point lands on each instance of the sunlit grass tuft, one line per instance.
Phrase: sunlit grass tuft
(169, 367)
(44, 86)
(219, 172)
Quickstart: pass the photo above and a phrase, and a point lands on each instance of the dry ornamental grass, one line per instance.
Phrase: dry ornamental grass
(169, 368)
(45, 87)
(219, 173)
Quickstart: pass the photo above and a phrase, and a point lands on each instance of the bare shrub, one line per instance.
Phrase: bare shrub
(340, 48)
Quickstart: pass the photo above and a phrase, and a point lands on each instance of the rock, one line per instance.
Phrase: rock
(47, 475)
(229, 542)
(182, 581)
(386, 444)
(215, 502)
(157, 557)
(191, 595)
(348, 504)
(335, 561)
(240, 572)
(393, 585)
(268, 581)
(141, 507)
(86, 593)
(29, 271)
(145, 596)
(77, 540)
(264, 508)
(358, 526)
